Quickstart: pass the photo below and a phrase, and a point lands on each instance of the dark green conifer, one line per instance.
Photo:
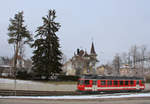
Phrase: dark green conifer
(47, 55)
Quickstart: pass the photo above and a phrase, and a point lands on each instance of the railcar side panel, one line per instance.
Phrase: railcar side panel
(99, 85)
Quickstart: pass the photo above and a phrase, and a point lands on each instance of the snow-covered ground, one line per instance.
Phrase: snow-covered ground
(8, 84)
(80, 97)
(11, 81)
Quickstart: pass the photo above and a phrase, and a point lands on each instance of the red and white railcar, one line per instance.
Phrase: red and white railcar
(94, 83)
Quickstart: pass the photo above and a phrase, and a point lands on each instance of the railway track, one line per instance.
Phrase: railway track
(35, 93)
(45, 93)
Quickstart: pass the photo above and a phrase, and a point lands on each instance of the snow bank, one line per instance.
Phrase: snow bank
(79, 97)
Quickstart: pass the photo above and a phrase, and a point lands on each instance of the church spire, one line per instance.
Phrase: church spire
(92, 49)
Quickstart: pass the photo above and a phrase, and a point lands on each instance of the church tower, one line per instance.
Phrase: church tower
(93, 59)
(93, 53)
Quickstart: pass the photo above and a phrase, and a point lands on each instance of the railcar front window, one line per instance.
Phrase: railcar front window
(142, 82)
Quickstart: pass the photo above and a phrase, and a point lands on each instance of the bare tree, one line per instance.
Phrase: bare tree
(143, 53)
(129, 59)
(117, 64)
(133, 53)
(5, 60)
(64, 59)
(124, 58)
(138, 59)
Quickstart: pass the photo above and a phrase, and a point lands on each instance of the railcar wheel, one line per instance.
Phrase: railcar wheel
(138, 90)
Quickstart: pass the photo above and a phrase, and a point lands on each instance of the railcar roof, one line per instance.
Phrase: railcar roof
(110, 77)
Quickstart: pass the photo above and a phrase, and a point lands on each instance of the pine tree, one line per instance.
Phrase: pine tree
(19, 35)
(47, 55)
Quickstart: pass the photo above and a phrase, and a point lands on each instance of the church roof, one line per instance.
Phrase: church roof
(93, 49)
(86, 55)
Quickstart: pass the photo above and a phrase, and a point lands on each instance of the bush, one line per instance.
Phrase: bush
(67, 78)
(23, 74)
(147, 77)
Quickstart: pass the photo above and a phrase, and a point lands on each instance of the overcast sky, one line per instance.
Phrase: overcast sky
(113, 25)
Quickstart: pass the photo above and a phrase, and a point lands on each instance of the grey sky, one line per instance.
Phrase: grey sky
(114, 25)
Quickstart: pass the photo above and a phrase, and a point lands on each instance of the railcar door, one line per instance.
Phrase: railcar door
(94, 85)
(137, 85)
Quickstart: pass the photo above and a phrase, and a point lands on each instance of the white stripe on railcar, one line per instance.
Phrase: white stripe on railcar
(107, 88)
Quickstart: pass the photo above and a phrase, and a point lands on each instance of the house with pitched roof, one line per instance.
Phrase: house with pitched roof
(81, 63)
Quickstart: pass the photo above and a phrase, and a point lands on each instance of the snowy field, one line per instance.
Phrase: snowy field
(8, 84)
(119, 95)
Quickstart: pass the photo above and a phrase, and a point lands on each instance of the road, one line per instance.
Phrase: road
(145, 100)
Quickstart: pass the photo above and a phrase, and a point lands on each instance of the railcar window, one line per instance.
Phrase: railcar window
(115, 82)
(103, 82)
(137, 82)
(126, 82)
(94, 82)
(131, 82)
(109, 82)
(121, 83)
(81, 82)
(142, 82)
(86, 82)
